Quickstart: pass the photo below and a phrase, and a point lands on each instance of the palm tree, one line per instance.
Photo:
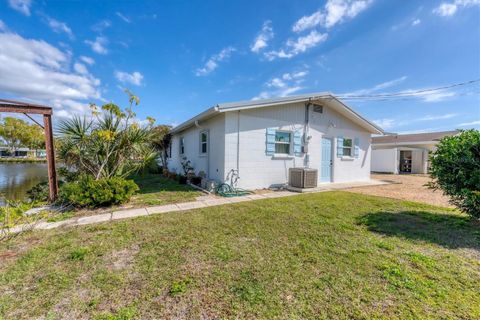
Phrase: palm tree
(108, 144)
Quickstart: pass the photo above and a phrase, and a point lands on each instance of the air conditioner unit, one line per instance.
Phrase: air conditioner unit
(303, 177)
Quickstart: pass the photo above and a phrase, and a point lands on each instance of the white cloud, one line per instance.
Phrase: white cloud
(297, 46)
(87, 60)
(425, 94)
(437, 117)
(338, 10)
(265, 35)
(98, 45)
(385, 123)
(3, 26)
(80, 68)
(59, 27)
(334, 12)
(376, 88)
(308, 22)
(134, 78)
(35, 70)
(416, 22)
(468, 124)
(283, 86)
(101, 25)
(124, 18)
(447, 9)
(212, 63)
(22, 6)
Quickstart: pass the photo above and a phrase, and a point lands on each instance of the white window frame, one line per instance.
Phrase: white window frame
(352, 148)
(282, 142)
(200, 142)
(181, 143)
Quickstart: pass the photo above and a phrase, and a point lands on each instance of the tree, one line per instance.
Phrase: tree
(161, 141)
(19, 133)
(13, 132)
(455, 169)
(111, 143)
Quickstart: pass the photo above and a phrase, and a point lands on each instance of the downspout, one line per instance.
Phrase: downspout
(208, 146)
(238, 143)
(305, 134)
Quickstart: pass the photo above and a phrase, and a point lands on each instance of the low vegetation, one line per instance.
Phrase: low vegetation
(325, 255)
(157, 189)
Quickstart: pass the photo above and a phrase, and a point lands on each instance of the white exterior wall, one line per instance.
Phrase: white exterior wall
(258, 170)
(216, 146)
(385, 160)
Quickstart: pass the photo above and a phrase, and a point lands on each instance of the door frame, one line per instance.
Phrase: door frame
(332, 158)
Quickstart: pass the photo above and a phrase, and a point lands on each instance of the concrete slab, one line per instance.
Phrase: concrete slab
(216, 202)
(190, 205)
(162, 209)
(124, 214)
(94, 219)
(255, 196)
(238, 199)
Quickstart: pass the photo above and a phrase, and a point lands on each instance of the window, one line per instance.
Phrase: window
(347, 147)
(282, 142)
(203, 142)
(182, 145)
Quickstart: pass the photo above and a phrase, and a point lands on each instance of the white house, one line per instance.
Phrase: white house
(262, 139)
(406, 153)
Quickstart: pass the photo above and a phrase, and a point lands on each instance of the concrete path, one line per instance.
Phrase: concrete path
(201, 202)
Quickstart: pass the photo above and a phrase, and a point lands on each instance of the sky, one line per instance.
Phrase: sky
(182, 57)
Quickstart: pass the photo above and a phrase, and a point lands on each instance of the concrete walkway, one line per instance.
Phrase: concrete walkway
(201, 202)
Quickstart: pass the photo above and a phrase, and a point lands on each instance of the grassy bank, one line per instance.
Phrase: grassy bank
(23, 160)
(326, 255)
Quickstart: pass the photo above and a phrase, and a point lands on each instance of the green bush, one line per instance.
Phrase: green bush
(88, 192)
(455, 168)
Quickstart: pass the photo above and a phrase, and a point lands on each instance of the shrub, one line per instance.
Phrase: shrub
(39, 192)
(455, 168)
(87, 192)
(196, 180)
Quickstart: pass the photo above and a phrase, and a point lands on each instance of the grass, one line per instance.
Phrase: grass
(325, 255)
(155, 189)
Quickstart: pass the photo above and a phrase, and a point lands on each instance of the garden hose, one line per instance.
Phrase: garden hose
(226, 190)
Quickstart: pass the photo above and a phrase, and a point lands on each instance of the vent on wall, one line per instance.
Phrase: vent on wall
(318, 109)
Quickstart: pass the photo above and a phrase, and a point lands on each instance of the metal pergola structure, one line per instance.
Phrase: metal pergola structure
(13, 106)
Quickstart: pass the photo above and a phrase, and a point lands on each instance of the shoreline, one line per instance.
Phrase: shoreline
(22, 160)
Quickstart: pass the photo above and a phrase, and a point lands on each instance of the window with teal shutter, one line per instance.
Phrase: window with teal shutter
(270, 142)
(297, 143)
(357, 147)
(340, 147)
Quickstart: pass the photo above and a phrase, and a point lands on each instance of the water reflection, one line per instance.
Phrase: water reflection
(17, 178)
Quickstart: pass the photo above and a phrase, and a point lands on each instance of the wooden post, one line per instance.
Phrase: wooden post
(52, 173)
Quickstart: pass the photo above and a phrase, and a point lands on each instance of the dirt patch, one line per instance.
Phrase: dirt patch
(405, 187)
(122, 259)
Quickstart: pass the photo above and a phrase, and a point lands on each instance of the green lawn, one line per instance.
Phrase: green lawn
(326, 255)
(155, 189)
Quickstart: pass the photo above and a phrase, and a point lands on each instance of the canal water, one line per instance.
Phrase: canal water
(17, 178)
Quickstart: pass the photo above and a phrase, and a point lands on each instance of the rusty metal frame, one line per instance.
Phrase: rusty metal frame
(14, 106)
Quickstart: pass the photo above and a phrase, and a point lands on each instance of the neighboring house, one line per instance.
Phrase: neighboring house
(262, 139)
(22, 152)
(405, 153)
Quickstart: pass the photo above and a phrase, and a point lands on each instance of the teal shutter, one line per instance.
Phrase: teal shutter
(270, 142)
(357, 147)
(297, 143)
(340, 147)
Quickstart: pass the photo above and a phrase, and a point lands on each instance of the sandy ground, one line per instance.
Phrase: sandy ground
(406, 187)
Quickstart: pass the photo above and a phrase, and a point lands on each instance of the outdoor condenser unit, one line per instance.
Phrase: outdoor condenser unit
(303, 177)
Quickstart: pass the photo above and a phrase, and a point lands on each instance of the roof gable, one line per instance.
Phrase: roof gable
(321, 97)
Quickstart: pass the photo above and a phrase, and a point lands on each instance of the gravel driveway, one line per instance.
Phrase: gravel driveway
(406, 187)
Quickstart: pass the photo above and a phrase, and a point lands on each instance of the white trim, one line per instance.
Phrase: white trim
(200, 142)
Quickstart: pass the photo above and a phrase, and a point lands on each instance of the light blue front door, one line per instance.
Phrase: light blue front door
(326, 166)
